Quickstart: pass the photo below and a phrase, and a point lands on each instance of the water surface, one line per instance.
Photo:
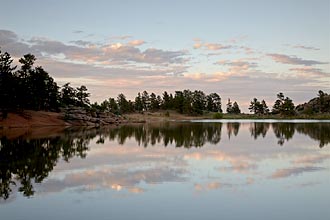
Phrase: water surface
(188, 170)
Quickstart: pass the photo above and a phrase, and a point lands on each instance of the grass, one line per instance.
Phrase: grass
(300, 116)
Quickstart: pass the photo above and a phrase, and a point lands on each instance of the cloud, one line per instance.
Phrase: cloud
(281, 58)
(237, 66)
(211, 186)
(238, 39)
(239, 163)
(303, 185)
(52, 47)
(250, 180)
(305, 47)
(122, 37)
(209, 46)
(7, 37)
(136, 42)
(117, 66)
(240, 167)
(203, 77)
(78, 32)
(81, 42)
(309, 71)
(311, 159)
(85, 51)
(283, 173)
(113, 178)
(248, 50)
(9, 41)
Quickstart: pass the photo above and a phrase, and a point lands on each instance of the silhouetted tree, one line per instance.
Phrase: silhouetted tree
(138, 103)
(7, 84)
(259, 108)
(236, 109)
(199, 100)
(68, 95)
(178, 101)
(283, 105)
(229, 108)
(123, 105)
(154, 102)
(265, 109)
(145, 101)
(166, 101)
(82, 96)
(255, 106)
(233, 108)
(213, 101)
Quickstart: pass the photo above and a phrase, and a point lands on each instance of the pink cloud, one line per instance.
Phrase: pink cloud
(282, 58)
(136, 43)
(311, 159)
(309, 71)
(210, 46)
(283, 173)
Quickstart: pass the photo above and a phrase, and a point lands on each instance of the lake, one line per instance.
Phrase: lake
(223, 169)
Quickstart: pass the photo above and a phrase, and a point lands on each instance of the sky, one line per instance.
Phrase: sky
(238, 49)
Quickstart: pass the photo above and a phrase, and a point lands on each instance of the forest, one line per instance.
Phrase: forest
(30, 87)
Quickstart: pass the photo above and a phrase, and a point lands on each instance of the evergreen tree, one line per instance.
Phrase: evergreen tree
(288, 107)
(82, 96)
(188, 100)
(213, 101)
(198, 104)
(24, 90)
(68, 95)
(154, 103)
(123, 105)
(43, 90)
(7, 84)
(138, 103)
(145, 101)
(255, 106)
(229, 107)
(166, 101)
(265, 109)
(277, 107)
(178, 101)
(236, 109)
(113, 106)
(283, 105)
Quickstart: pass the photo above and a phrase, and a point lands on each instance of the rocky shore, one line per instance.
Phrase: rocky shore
(81, 117)
(72, 116)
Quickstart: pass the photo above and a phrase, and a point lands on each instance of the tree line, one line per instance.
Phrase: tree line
(184, 102)
(31, 87)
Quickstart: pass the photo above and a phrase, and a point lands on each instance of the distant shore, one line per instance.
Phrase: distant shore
(174, 116)
(28, 119)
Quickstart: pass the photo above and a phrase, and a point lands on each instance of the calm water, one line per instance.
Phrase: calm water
(192, 170)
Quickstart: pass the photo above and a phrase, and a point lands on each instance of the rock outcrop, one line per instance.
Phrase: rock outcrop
(81, 117)
(319, 104)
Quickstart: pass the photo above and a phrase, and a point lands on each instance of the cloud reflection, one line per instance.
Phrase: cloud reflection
(287, 172)
(132, 158)
(114, 178)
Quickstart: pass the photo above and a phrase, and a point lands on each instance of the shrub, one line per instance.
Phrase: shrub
(218, 115)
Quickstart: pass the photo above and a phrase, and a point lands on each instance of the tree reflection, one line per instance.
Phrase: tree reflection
(283, 131)
(26, 159)
(179, 134)
(232, 128)
(257, 129)
(316, 131)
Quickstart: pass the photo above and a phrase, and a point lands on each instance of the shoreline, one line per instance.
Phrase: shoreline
(41, 119)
